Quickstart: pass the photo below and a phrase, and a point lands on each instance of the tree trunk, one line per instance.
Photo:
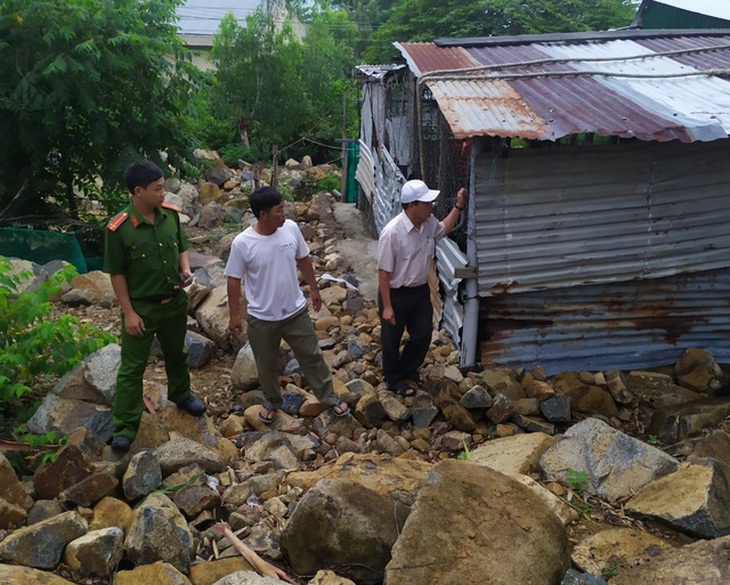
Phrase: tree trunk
(243, 126)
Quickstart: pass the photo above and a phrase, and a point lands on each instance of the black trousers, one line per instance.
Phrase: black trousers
(413, 311)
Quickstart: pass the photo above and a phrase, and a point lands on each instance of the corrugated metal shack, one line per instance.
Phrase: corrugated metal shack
(598, 229)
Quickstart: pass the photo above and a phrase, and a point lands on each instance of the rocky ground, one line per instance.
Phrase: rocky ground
(270, 482)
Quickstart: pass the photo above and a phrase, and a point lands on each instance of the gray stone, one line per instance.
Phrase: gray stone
(96, 553)
(343, 525)
(18, 575)
(705, 562)
(501, 409)
(11, 490)
(423, 411)
(556, 409)
(212, 314)
(245, 374)
(619, 387)
(41, 545)
(159, 532)
(179, 452)
(573, 577)
(101, 371)
(247, 578)
(192, 500)
(275, 448)
(615, 464)
(675, 423)
(89, 490)
(34, 282)
(292, 402)
(143, 474)
(394, 407)
(694, 499)
(65, 416)
(533, 424)
(477, 397)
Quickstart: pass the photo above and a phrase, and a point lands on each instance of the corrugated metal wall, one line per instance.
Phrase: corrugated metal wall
(612, 257)
(561, 216)
(628, 325)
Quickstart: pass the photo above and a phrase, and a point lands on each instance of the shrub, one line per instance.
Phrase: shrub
(34, 348)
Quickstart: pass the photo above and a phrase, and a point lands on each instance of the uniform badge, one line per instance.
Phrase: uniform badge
(117, 221)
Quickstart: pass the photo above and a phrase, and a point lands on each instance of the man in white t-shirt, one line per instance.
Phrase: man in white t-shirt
(265, 257)
(405, 249)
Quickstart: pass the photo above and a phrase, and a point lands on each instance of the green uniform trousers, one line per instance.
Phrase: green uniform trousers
(298, 331)
(169, 323)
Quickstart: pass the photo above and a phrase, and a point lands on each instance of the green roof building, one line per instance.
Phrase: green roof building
(674, 14)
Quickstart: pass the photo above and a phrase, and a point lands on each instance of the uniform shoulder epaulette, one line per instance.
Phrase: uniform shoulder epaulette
(117, 221)
(168, 205)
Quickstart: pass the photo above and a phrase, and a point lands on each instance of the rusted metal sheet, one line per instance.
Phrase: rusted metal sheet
(627, 325)
(651, 87)
(563, 217)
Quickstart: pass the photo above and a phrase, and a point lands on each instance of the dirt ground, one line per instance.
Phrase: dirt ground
(359, 247)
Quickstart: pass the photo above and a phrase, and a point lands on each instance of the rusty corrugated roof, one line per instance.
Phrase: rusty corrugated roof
(651, 85)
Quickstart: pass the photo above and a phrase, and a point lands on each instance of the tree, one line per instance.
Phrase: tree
(273, 88)
(86, 85)
(368, 15)
(425, 20)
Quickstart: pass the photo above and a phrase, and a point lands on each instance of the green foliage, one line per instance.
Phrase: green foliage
(86, 86)
(609, 572)
(174, 488)
(465, 455)
(43, 446)
(577, 480)
(273, 87)
(425, 20)
(329, 183)
(34, 348)
(369, 15)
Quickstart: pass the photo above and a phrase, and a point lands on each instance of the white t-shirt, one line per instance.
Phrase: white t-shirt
(267, 266)
(406, 252)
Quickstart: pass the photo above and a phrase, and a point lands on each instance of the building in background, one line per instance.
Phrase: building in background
(199, 21)
(694, 14)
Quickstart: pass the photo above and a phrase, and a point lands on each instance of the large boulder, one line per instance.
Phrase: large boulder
(614, 463)
(706, 562)
(345, 526)
(496, 529)
(694, 499)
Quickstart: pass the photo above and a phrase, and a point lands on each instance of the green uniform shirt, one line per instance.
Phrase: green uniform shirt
(148, 254)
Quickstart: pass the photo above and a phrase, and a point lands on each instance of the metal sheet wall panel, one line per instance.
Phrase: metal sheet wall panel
(625, 325)
(561, 217)
(388, 179)
(448, 259)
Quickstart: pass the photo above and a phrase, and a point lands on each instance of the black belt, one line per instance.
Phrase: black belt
(161, 299)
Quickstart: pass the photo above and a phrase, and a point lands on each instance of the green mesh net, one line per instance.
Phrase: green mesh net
(43, 246)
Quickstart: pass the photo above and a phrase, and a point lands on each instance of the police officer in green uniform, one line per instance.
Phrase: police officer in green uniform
(146, 257)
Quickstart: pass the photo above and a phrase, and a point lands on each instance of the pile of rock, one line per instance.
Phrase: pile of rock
(354, 499)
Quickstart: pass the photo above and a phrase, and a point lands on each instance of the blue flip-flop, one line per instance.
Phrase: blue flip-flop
(266, 414)
(342, 407)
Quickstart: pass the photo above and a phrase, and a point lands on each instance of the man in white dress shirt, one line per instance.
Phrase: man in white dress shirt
(405, 249)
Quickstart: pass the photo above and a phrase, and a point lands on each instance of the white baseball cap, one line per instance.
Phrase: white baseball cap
(417, 190)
